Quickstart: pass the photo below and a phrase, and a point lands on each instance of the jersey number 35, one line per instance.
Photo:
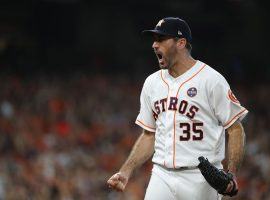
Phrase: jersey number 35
(191, 131)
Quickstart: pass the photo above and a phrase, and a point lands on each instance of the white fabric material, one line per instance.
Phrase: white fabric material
(182, 185)
(192, 112)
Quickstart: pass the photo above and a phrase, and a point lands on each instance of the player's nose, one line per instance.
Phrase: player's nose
(155, 45)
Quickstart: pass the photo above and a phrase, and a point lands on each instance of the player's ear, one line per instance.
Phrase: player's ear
(181, 43)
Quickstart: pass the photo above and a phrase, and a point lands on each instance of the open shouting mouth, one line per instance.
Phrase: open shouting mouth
(160, 58)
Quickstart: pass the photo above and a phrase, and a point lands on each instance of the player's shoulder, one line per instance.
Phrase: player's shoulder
(213, 75)
(152, 78)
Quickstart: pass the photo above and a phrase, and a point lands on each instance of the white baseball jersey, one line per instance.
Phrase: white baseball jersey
(189, 115)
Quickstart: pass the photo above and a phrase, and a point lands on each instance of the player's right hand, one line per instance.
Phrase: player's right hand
(118, 182)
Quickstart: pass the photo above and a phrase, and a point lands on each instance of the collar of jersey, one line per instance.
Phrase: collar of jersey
(170, 79)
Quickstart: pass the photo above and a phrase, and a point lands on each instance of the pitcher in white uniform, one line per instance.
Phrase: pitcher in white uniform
(186, 107)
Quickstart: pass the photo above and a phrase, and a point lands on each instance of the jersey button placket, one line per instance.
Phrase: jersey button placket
(172, 121)
(169, 129)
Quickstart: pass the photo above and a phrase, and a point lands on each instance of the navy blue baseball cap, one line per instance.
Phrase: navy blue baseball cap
(171, 26)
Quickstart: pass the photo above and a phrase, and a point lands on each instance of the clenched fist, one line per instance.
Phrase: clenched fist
(118, 181)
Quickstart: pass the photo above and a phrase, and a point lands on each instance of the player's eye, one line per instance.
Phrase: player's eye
(160, 38)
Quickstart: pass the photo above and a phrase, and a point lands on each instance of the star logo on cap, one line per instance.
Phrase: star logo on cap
(160, 22)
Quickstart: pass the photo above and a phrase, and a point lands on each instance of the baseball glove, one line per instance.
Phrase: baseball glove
(217, 178)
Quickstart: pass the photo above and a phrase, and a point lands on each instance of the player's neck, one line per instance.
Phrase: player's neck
(182, 64)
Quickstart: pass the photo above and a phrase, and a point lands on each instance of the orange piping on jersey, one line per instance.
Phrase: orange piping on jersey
(167, 87)
(163, 79)
(234, 117)
(166, 101)
(146, 125)
(174, 134)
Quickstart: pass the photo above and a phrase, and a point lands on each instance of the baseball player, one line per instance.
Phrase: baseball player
(186, 107)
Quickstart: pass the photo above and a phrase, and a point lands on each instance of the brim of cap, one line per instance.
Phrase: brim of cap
(154, 32)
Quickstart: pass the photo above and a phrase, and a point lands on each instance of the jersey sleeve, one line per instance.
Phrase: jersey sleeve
(145, 119)
(227, 109)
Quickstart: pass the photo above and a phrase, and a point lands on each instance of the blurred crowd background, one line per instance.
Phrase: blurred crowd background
(71, 72)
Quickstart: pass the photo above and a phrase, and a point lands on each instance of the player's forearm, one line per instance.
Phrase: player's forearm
(142, 150)
(236, 143)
